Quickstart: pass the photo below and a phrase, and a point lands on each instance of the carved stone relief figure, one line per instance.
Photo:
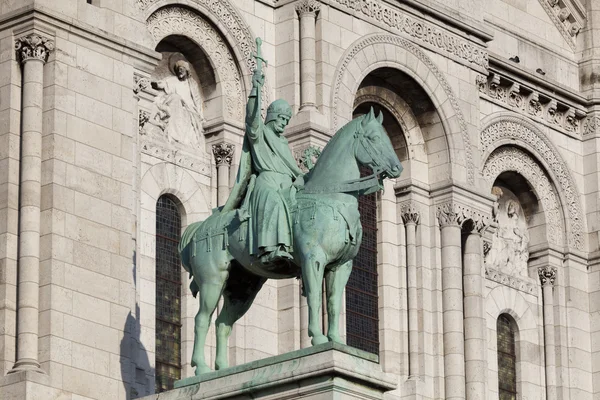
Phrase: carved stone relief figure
(177, 112)
(509, 251)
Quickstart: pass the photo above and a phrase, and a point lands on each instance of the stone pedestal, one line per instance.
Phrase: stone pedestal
(29, 385)
(328, 371)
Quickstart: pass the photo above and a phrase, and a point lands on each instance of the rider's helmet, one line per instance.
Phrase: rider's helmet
(277, 108)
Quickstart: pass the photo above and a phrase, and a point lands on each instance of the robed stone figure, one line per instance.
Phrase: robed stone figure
(266, 155)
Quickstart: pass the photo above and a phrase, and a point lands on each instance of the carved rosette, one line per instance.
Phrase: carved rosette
(223, 153)
(410, 213)
(310, 7)
(547, 275)
(33, 47)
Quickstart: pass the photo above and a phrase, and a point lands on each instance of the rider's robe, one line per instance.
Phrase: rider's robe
(267, 155)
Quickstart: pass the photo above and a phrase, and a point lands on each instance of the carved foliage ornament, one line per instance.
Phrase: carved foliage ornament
(223, 153)
(140, 83)
(410, 213)
(513, 128)
(394, 18)
(307, 6)
(591, 125)
(181, 21)
(515, 282)
(452, 213)
(410, 47)
(547, 275)
(33, 47)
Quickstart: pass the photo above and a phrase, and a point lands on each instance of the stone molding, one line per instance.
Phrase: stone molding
(564, 20)
(374, 39)
(547, 275)
(514, 159)
(508, 128)
(174, 156)
(453, 213)
(307, 7)
(182, 21)
(540, 107)
(410, 213)
(514, 282)
(33, 47)
(389, 17)
(223, 153)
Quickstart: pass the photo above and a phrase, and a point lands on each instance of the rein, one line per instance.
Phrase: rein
(360, 186)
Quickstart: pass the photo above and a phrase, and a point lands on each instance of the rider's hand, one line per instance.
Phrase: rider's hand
(299, 182)
(258, 79)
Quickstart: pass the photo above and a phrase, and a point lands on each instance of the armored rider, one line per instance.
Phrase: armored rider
(267, 155)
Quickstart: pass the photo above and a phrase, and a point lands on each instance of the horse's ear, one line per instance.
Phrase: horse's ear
(371, 114)
(380, 117)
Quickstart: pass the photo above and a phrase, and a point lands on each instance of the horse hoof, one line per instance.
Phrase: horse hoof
(202, 369)
(320, 339)
(221, 365)
(336, 339)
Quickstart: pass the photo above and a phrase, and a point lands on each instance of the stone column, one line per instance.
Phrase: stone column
(474, 322)
(307, 10)
(223, 153)
(32, 52)
(410, 217)
(450, 220)
(547, 278)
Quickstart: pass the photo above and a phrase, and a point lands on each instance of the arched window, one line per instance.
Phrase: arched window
(507, 360)
(362, 308)
(168, 294)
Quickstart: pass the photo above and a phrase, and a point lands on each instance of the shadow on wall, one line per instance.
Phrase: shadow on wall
(137, 374)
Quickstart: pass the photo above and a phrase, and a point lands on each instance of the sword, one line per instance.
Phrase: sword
(258, 56)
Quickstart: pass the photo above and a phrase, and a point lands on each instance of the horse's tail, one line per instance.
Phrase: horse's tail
(185, 250)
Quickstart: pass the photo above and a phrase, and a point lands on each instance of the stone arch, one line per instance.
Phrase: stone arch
(515, 159)
(181, 21)
(194, 201)
(385, 50)
(509, 129)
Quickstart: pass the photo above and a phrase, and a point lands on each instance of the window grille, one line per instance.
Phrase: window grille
(168, 294)
(362, 308)
(507, 374)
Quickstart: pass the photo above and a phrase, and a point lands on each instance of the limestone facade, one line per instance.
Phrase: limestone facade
(486, 103)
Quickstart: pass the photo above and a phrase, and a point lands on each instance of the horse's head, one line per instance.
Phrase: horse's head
(374, 148)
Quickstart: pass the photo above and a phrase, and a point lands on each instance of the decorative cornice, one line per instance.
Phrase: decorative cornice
(513, 128)
(547, 275)
(410, 213)
(308, 7)
(537, 106)
(390, 17)
(452, 213)
(510, 280)
(223, 153)
(563, 19)
(33, 47)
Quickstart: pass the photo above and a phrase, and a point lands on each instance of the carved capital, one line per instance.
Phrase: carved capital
(452, 213)
(547, 275)
(308, 7)
(410, 213)
(140, 83)
(33, 47)
(223, 153)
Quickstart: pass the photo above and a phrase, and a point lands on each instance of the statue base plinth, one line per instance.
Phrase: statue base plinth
(328, 371)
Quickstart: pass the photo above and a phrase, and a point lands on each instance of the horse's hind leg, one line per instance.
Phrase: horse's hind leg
(312, 279)
(336, 280)
(209, 297)
(239, 293)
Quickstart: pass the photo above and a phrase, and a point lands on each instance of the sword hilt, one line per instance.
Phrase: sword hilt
(258, 56)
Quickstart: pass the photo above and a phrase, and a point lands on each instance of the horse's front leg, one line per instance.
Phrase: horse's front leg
(336, 280)
(312, 278)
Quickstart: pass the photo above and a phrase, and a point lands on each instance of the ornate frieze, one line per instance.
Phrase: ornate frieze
(173, 155)
(307, 7)
(453, 213)
(547, 275)
(516, 160)
(410, 213)
(430, 65)
(565, 21)
(33, 47)
(591, 125)
(518, 283)
(390, 17)
(531, 103)
(223, 153)
(306, 157)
